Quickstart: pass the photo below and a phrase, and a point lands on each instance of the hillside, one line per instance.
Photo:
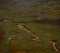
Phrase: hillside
(29, 26)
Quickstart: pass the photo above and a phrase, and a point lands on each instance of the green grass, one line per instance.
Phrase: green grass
(23, 41)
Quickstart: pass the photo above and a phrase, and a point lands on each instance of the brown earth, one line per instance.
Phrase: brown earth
(2, 34)
(19, 51)
(23, 51)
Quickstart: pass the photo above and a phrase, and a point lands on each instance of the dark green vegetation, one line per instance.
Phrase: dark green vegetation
(43, 18)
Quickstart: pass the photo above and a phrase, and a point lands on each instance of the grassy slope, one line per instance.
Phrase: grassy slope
(23, 41)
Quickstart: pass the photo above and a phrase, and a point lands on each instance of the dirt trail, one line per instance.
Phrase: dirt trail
(29, 31)
(54, 46)
(24, 28)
